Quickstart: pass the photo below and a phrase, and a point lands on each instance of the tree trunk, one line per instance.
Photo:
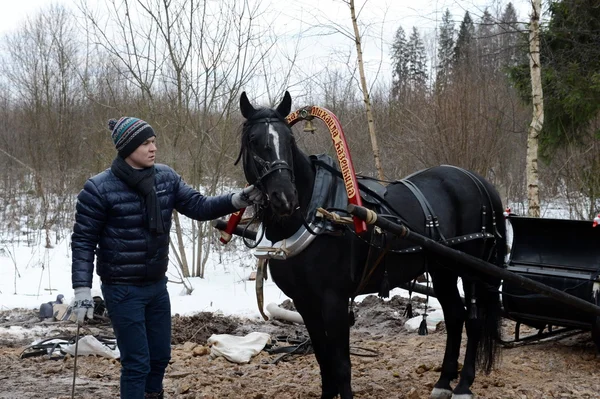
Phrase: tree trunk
(182, 258)
(537, 121)
(200, 258)
(365, 90)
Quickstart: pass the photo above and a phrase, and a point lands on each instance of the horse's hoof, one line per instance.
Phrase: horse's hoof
(439, 393)
(463, 396)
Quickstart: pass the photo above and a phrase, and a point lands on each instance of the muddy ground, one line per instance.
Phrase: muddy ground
(388, 362)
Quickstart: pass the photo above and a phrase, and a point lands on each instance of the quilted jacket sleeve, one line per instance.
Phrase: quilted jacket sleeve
(197, 206)
(90, 218)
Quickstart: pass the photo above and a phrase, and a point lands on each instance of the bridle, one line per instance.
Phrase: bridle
(256, 166)
(260, 167)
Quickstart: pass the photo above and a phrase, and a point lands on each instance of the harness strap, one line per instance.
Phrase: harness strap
(385, 205)
(432, 224)
(431, 219)
(264, 120)
(271, 167)
(481, 187)
(448, 242)
(370, 267)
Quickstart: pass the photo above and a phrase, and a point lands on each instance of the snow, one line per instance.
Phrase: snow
(32, 274)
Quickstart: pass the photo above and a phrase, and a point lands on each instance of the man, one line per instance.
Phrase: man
(123, 219)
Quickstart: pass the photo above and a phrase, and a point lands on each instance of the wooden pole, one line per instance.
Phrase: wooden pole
(468, 260)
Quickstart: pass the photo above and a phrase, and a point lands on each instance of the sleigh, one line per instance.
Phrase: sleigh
(558, 253)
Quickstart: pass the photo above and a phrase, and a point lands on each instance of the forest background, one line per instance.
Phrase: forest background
(458, 94)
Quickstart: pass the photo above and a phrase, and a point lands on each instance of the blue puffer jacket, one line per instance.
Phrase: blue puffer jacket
(110, 224)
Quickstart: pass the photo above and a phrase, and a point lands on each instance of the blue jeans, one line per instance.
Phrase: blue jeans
(141, 320)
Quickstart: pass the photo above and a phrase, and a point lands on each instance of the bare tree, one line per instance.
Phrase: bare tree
(41, 64)
(185, 61)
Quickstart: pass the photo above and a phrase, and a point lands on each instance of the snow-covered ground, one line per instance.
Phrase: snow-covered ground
(31, 274)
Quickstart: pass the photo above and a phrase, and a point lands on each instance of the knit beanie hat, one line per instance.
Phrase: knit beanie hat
(129, 133)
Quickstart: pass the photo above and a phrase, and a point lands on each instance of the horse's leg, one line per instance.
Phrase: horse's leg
(313, 320)
(482, 337)
(467, 374)
(335, 315)
(446, 291)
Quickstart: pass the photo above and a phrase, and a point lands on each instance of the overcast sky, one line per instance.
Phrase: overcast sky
(379, 21)
(420, 13)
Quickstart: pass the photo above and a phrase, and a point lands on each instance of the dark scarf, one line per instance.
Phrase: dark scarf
(142, 181)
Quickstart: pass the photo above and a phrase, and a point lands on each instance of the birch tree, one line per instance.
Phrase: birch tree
(365, 91)
(537, 121)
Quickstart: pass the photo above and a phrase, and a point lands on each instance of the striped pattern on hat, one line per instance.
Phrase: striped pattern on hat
(125, 130)
(129, 133)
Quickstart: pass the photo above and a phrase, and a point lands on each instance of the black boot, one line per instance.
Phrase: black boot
(155, 395)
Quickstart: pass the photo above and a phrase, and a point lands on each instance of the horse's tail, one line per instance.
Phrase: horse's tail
(490, 314)
(488, 353)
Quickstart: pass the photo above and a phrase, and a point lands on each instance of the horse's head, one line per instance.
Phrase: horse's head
(267, 153)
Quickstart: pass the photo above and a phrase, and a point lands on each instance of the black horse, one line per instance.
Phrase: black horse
(445, 202)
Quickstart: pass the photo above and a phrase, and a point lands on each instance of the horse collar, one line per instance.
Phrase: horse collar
(288, 247)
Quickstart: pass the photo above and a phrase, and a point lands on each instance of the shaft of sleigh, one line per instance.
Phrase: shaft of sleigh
(480, 265)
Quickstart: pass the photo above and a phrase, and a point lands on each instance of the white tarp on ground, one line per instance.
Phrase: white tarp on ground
(89, 345)
(237, 349)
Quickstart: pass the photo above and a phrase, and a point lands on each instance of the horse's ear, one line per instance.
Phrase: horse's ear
(285, 106)
(245, 106)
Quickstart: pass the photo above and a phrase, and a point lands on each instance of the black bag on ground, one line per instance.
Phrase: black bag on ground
(99, 307)
(47, 309)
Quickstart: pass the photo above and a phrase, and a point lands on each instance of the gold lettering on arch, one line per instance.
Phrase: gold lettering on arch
(341, 151)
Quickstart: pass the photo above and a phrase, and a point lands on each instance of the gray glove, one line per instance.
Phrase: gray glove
(84, 304)
(248, 196)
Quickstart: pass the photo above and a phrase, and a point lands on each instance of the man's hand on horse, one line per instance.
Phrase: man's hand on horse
(84, 304)
(248, 196)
